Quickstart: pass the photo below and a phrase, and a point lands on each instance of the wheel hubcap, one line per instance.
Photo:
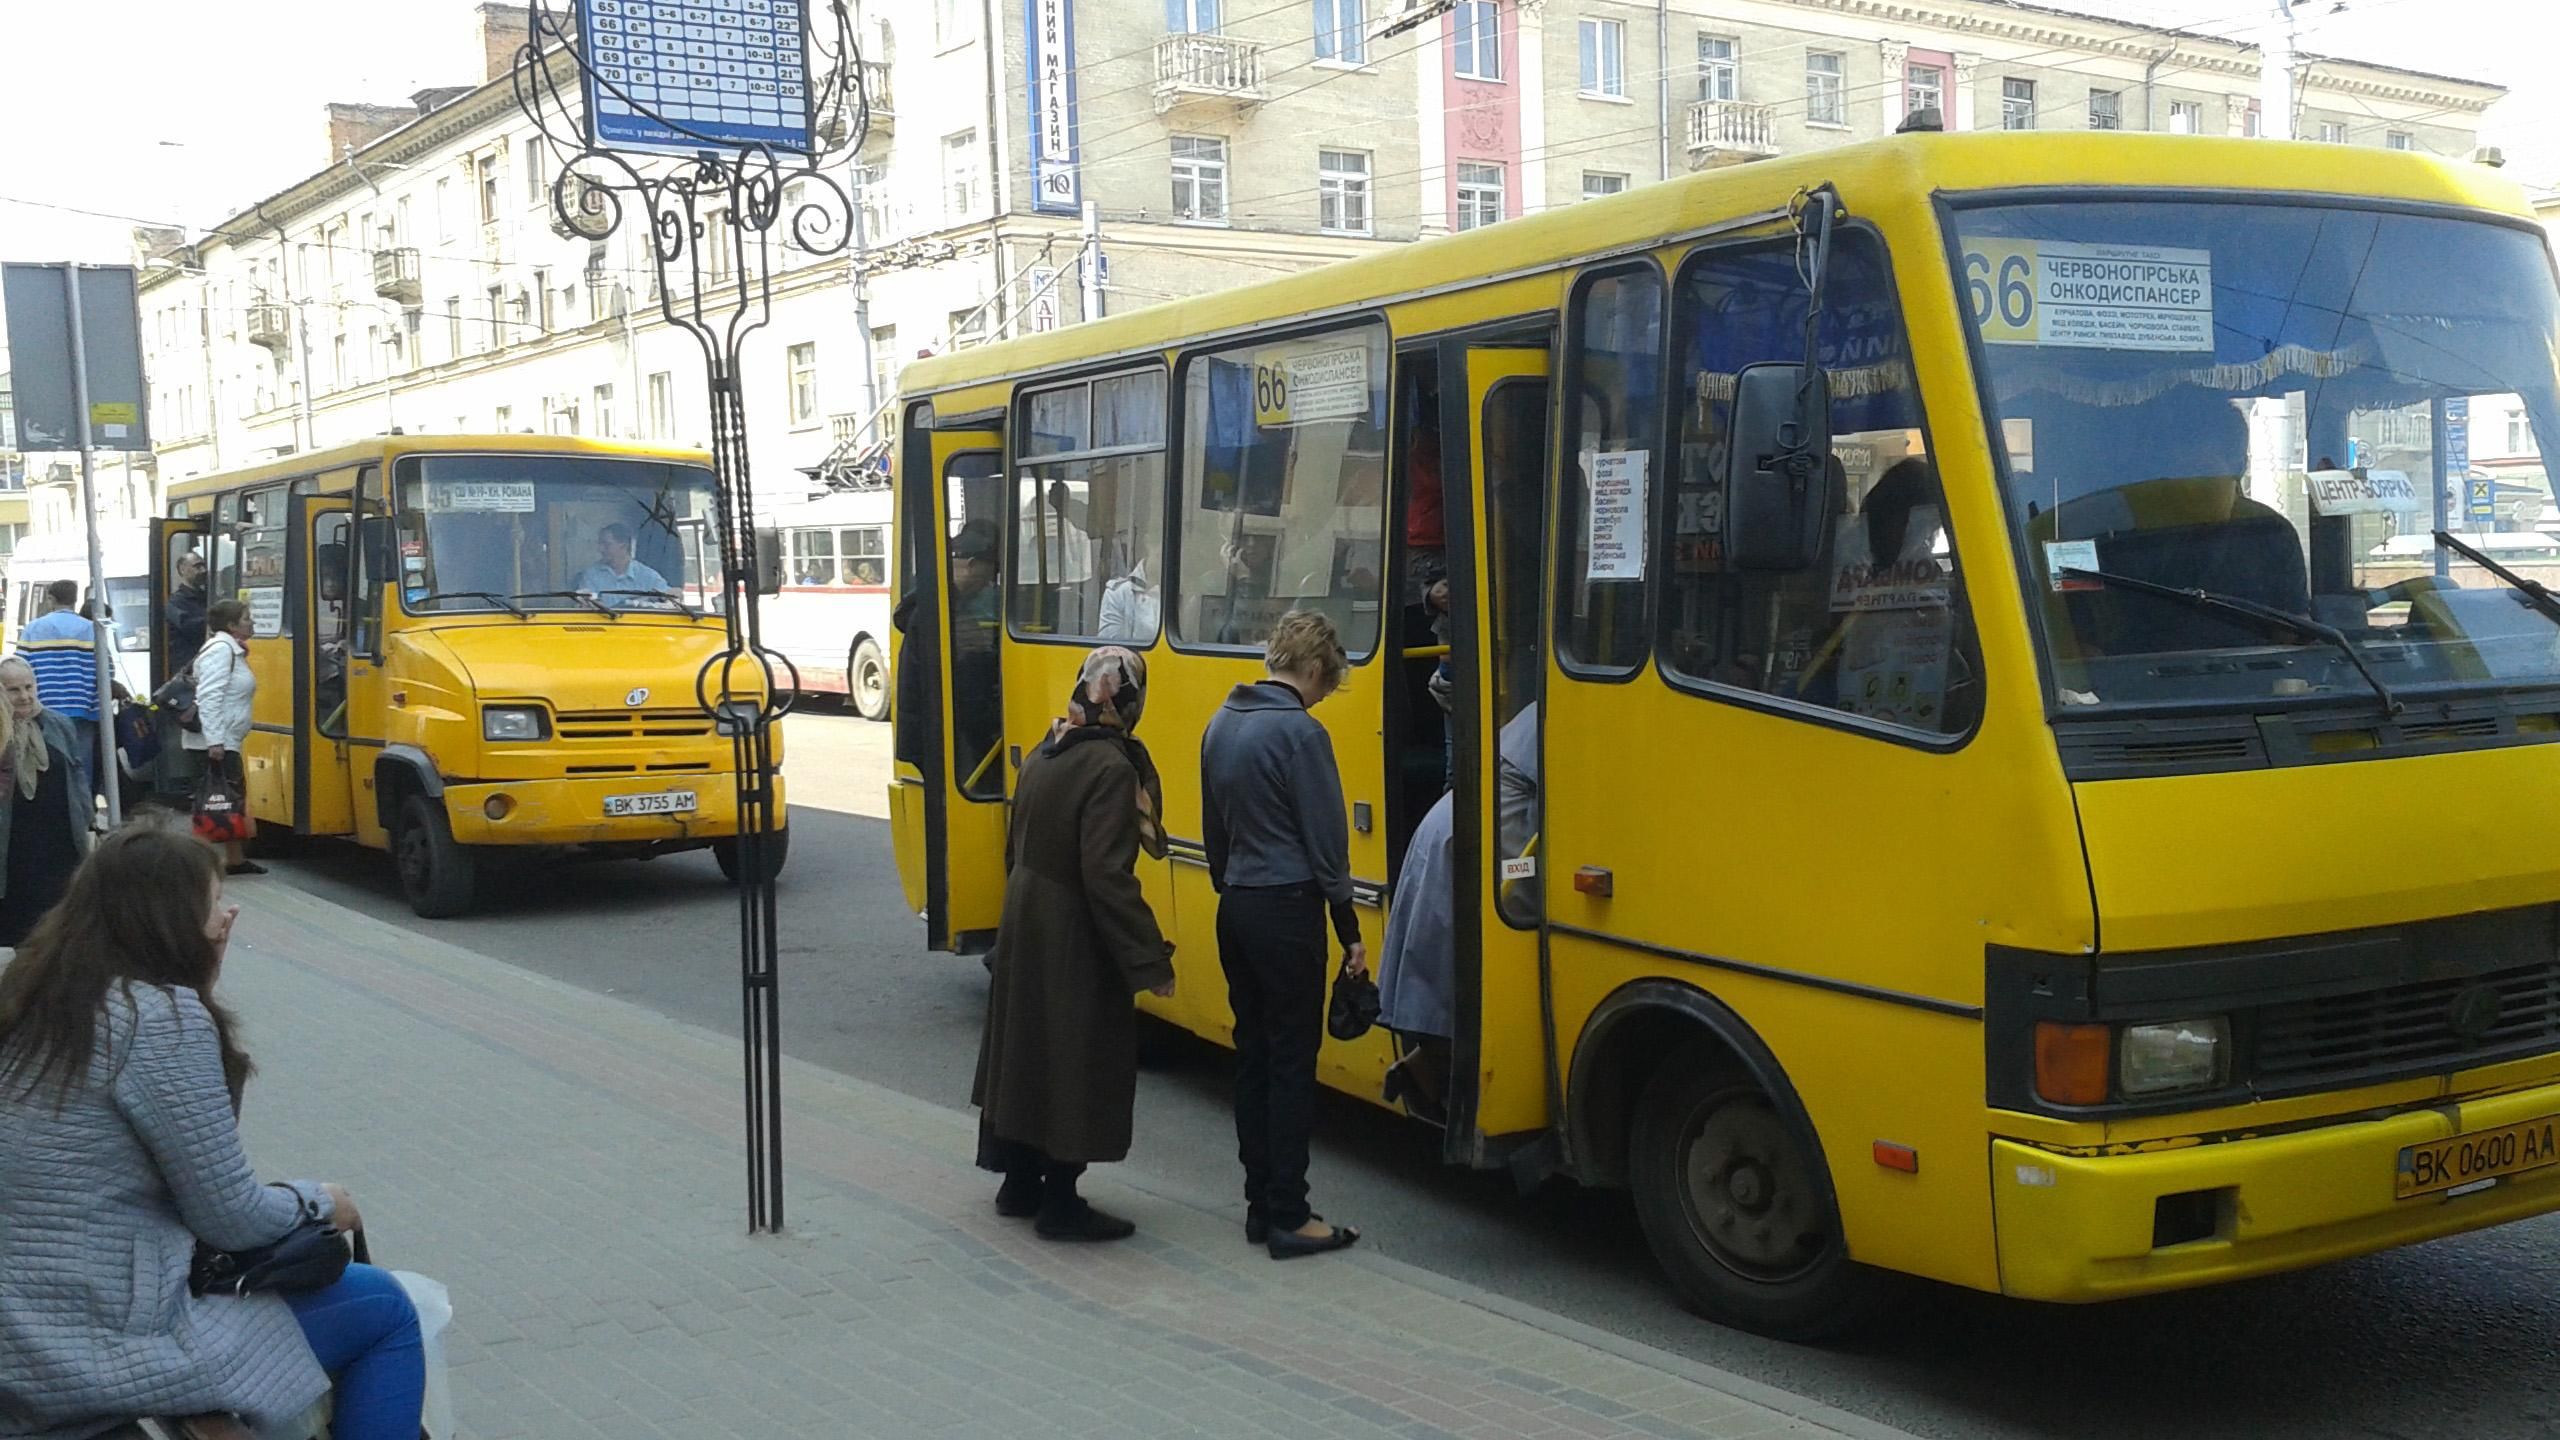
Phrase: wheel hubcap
(1750, 1200)
(871, 683)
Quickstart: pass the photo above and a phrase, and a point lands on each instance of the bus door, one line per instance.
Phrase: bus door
(1496, 401)
(171, 541)
(321, 580)
(947, 801)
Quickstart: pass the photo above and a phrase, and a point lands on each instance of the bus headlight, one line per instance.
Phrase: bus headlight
(514, 722)
(2171, 1056)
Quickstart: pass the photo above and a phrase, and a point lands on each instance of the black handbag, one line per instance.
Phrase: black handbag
(1355, 1004)
(310, 1256)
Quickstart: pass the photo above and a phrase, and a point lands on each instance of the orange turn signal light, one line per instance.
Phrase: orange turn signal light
(1897, 1157)
(2072, 1062)
(1595, 881)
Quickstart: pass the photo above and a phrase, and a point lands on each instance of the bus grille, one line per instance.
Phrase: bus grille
(2422, 1024)
(631, 724)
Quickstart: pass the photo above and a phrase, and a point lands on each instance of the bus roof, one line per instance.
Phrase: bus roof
(1910, 168)
(387, 448)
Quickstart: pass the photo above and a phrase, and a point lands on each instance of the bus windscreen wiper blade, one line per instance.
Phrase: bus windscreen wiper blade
(2273, 616)
(664, 595)
(492, 596)
(580, 596)
(2532, 592)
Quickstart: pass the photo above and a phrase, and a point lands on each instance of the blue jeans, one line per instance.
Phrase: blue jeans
(364, 1332)
(84, 763)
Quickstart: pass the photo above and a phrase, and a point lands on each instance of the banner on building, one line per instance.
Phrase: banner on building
(1050, 26)
(1042, 313)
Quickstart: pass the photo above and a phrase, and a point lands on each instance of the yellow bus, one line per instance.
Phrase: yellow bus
(1926, 579)
(467, 646)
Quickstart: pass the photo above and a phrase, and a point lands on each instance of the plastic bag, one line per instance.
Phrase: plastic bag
(435, 1313)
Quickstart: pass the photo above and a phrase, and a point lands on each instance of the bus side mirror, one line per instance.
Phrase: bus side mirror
(1777, 469)
(768, 560)
(374, 534)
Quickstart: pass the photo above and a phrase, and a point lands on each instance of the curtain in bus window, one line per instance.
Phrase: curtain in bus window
(1283, 499)
(1088, 511)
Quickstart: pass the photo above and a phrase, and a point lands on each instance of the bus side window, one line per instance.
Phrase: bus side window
(374, 564)
(1612, 464)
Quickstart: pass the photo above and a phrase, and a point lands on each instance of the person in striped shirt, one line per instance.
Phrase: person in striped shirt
(62, 647)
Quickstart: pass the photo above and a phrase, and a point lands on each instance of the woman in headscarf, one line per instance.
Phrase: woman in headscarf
(1058, 1064)
(45, 819)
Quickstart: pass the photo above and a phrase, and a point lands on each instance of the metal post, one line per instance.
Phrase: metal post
(104, 698)
(871, 397)
(2275, 76)
(1089, 261)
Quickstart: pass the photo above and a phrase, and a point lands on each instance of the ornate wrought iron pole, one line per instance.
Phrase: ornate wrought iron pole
(712, 201)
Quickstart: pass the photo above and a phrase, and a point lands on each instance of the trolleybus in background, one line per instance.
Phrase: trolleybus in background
(125, 547)
(1955, 670)
(831, 617)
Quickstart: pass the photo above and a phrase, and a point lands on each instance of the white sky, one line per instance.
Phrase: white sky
(185, 111)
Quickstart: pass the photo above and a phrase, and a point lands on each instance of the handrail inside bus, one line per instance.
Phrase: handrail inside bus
(981, 772)
(1426, 652)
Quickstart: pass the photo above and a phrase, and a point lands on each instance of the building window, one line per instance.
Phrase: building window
(1477, 38)
(2249, 121)
(2398, 140)
(536, 188)
(1596, 183)
(1342, 192)
(2103, 113)
(884, 370)
(1604, 58)
(604, 411)
(802, 363)
(960, 175)
(1824, 102)
(2186, 117)
(955, 22)
(453, 327)
(1088, 559)
(1479, 195)
(545, 315)
(1924, 87)
(2333, 132)
(2519, 434)
(505, 424)
(1282, 498)
(488, 170)
(2017, 104)
(1199, 178)
(969, 327)
(444, 208)
(1719, 77)
(1192, 17)
(497, 316)
(1341, 32)
(662, 405)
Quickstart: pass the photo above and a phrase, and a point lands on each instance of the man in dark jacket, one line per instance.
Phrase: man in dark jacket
(1058, 1063)
(184, 617)
(1280, 858)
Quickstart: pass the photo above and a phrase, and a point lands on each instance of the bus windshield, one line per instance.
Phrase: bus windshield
(2278, 404)
(557, 532)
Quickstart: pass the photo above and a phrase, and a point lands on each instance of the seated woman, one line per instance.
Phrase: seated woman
(120, 1081)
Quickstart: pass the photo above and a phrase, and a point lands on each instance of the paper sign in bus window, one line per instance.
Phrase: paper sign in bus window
(2373, 492)
(2096, 297)
(504, 496)
(1613, 539)
(1301, 387)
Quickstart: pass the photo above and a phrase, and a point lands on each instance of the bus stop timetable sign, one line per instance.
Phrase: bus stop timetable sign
(678, 77)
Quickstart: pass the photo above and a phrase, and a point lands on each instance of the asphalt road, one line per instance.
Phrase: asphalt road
(2457, 1338)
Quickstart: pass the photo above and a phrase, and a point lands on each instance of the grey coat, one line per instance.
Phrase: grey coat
(57, 737)
(1418, 964)
(102, 1199)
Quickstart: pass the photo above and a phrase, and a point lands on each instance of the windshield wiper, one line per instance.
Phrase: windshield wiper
(2267, 615)
(581, 596)
(492, 596)
(2532, 593)
(667, 596)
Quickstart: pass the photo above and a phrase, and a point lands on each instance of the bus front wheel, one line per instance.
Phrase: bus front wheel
(867, 678)
(777, 849)
(1736, 1207)
(439, 875)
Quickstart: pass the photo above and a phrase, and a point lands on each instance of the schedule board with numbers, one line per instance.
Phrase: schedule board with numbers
(682, 76)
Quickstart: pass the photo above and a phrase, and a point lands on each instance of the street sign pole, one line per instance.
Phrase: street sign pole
(104, 700)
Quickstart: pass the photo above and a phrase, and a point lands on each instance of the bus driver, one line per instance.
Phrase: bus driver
(617, 578)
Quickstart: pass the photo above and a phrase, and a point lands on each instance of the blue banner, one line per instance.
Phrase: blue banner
(1049, 30)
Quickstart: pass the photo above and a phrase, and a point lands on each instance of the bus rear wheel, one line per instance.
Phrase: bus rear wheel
(1737, 1208)
(439, 875)
(867, 680)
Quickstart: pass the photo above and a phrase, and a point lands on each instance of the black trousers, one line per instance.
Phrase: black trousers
(1271, 943)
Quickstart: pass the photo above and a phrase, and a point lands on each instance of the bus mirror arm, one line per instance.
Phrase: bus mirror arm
(1778, 488)
(768, 560)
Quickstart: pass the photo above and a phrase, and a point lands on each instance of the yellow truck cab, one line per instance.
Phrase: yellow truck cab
(470, 644)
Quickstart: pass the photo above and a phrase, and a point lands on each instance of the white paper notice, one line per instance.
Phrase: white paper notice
(266, 610)
(506, 496)
(2097, 297)
(1615, 538)
(2061, 556)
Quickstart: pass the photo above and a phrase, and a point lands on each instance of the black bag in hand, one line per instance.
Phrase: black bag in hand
(311, 1256)
(1355, 1004)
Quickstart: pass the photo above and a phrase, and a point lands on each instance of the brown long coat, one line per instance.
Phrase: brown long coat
(1058, 1064)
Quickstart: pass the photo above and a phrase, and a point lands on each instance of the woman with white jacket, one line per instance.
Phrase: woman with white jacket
(224, 687)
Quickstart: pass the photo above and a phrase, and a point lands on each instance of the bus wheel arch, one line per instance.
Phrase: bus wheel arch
(1677, 1098)
(399, 772)
(439, 876)
(866, 678)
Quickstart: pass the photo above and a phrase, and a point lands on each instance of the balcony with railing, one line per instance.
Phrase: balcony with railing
(395, 275)
(1207, 70)
(269, 326)
(1728, 132)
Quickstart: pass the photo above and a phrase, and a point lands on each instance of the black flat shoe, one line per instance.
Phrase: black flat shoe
(1085, 1223)
(1290, 1245)
(245, 867)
